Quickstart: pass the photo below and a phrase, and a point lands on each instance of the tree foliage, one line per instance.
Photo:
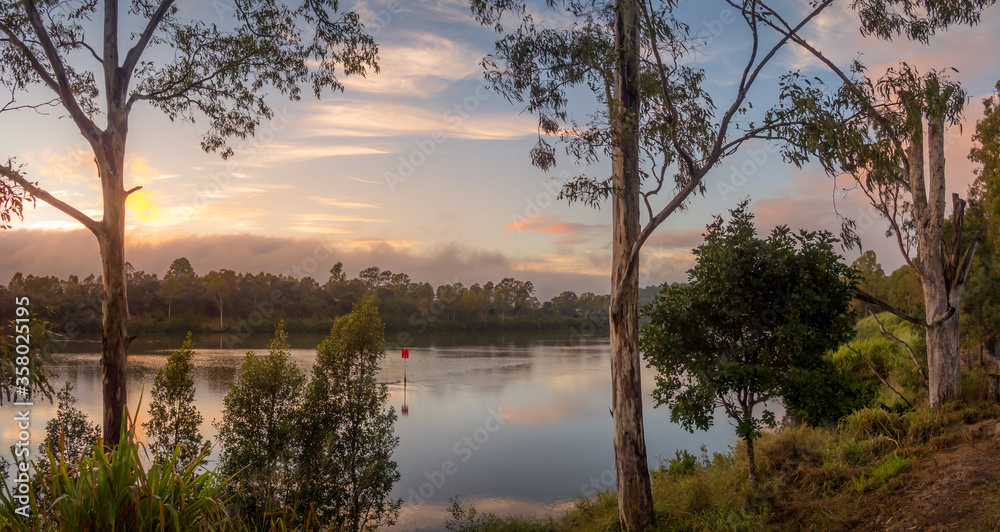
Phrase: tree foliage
(174, 420)
(257, 429)
(346, 436)
(981, 305)
(756, 315)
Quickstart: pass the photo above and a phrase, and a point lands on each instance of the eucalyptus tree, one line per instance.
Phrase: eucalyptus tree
(183, 66)
(876, 130)
(654, 120)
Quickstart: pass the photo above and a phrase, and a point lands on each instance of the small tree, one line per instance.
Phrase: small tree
(173, 418)
(69, 434)
(258, 426)
(753, 313)
(347, 430)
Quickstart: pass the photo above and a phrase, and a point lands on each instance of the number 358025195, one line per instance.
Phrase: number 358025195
(22, 332)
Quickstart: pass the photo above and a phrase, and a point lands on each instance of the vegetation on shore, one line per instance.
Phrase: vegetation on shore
(811, 478)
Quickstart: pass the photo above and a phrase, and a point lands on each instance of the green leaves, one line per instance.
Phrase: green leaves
(917, 20)
(173, 418)
(540, 64)
(346, 430)
(258, 427)
(756, 314)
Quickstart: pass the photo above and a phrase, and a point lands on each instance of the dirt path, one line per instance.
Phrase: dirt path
(956, 489)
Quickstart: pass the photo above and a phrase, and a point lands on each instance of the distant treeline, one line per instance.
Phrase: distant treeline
(224, 300)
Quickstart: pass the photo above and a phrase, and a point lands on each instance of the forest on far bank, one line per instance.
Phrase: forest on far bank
(220, 300)
(223, 300)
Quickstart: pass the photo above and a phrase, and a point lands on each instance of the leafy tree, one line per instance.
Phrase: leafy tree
(182, 67)
(180, 283)
(11, 376)
(566, 303)
(347, 436)
(143, 288)
(173, 417)
(221, 286)
(905, 292)
(755, 313)
(981, 306)
(258, 428)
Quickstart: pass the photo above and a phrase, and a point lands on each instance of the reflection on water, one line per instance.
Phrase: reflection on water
(513, 423)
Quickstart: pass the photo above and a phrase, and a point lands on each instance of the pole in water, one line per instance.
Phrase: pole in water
(406, 355)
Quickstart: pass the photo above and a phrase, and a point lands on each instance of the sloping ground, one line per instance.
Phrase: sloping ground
(955, 489)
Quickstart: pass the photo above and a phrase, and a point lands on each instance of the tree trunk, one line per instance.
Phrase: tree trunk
(751, 463)
(941, 294)
(635, 499)
(993, 393)
(943, 343)
(114, 337)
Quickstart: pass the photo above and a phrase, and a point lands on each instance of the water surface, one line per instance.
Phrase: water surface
(512, 423)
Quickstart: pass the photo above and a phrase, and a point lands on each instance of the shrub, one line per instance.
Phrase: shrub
(111, 490)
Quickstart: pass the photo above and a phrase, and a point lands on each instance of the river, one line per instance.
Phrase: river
(512, 423)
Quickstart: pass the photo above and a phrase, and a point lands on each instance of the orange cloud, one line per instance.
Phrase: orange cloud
(575, 233)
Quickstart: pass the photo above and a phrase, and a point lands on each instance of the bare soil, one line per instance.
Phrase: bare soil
(957, 488)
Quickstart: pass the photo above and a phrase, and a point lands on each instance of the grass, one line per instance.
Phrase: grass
(880, 476)
(811, 478)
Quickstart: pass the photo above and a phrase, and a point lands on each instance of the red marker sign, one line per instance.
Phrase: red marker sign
(406, 353)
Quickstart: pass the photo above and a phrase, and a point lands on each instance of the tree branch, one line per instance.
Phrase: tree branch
(36, 65)
(861, 295)
(36, 192)
(63, 87)
(913, 356)
(717, 152)
(133, 55)
(885, 382)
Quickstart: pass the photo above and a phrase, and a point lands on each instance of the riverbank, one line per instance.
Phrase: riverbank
(877, 470)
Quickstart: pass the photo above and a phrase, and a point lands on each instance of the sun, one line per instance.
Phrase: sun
(143, 206)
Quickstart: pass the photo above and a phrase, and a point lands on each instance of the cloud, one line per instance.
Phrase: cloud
(465, 119)
(424, 66)
(572, 233)
(345, 204)
(275, 154)
(675, 239)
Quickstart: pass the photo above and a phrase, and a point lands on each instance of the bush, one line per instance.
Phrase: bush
(871, 423)
(110, 490)
(975, 385)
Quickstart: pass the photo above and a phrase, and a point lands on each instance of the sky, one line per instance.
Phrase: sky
(423, 169)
